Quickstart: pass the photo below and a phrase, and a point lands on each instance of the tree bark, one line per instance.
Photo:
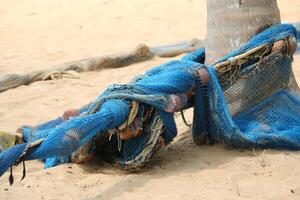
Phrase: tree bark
(231, 23)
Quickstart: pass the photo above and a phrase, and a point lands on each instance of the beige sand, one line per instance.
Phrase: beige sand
(35, 34)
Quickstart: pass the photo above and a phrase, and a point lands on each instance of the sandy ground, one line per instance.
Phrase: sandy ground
(35, 34)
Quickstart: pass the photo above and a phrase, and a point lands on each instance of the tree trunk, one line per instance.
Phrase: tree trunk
(231, 23)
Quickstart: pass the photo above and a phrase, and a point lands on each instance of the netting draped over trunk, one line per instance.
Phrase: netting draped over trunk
(246, 102)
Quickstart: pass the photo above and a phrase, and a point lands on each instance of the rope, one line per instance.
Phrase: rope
(184, 120)
(131, 116)
(70, 70)
(27, 151)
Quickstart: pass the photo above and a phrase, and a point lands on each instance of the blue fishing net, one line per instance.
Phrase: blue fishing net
(257, 106)
(249, 100)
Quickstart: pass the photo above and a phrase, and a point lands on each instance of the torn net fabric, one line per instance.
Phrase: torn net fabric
(248, 101)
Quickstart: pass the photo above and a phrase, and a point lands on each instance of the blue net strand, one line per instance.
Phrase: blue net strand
(29, 133)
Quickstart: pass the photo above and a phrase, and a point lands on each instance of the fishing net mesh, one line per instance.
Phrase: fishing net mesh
(249, 100)
(260, 94)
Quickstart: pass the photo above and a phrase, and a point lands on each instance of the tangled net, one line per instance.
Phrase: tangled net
(246, 99)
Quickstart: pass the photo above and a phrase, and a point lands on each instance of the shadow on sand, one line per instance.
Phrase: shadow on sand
(180, 157)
